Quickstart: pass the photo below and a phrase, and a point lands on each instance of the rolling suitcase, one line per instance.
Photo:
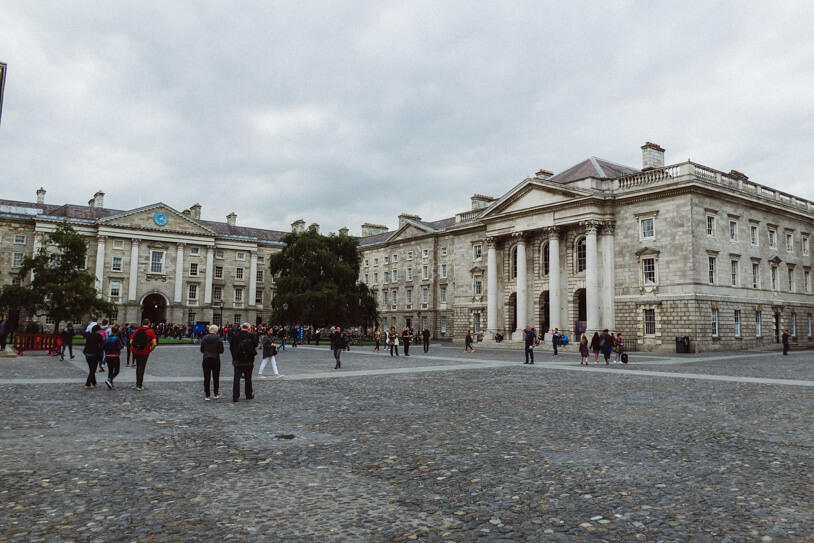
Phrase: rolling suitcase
(624, 358)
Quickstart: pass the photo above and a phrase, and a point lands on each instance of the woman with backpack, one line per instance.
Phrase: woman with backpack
(112, 347)
(269, 355)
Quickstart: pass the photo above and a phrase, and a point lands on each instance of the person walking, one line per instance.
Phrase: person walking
(406, 337)
(337, 346)
(142, 343)
(606, 344)
(93, 353)
(468, 346)
(555, 340)
(530, 340)
(583, 350)
(786, 346)
(5, 328)
(425, 336)
(212, 347)
(595, 347)
(66, 334)
(377, 335)
(618, 348)
(269, 355)
(112, 347)
(243, 348)
(393, 340)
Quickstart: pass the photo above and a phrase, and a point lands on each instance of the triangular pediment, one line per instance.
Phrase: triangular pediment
(534, 194)
(410, 230)
(157, 217)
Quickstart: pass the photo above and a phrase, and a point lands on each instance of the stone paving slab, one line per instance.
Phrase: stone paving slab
(481, 448)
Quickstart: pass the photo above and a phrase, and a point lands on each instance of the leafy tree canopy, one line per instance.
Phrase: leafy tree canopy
(61, 287)
(317, 282)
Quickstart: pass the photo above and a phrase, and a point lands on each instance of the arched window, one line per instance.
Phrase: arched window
(546, 259)
(514, 263)
(582, 251)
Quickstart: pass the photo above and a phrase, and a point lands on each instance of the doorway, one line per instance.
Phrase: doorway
(154, 307)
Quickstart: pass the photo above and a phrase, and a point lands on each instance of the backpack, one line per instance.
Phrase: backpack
(139, 340)
(246, 349)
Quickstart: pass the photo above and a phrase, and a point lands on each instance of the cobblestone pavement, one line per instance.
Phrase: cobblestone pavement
(439, 447)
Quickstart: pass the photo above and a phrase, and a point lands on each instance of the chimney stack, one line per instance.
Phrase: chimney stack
(98, 199)
(479, 201)
(41, 196)
(314, 226)
(404, 217)
(369, 229)
(544, 174)
(231, 218)
(343, 231)
(195, 211)
(298, 226)
(652, 156)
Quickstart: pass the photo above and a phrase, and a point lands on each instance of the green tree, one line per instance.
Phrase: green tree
(317, 282)
(61, 287)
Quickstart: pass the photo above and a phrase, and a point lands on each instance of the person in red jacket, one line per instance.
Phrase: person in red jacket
(142, 343)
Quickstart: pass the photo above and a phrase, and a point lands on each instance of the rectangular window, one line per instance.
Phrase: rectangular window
(737, 323)
(385, 297)
(478, 252)
(238, 273)
(116, 265)
(394, 298)
(218, 272)
(733, 231)
(240, 255)
(193, 269)
(194, 251)
(19, 240)
(387, 260)
(115, 289)
(409, 255)
(367, 262)
(805, 245)
(49, 319)
(758, 323)
(217, 293)
(443, 251)
(712, 270)
(193, 292)
(16, 281)
(443, 325)
(425, 253)
(156, 261)
(409, 274)
(365, 279)
(774, 277)
(425, 272)
(118, 244)
(753, 237)
(219, 253)
(807, 281)
(238, 295)
(772, 238)
(649, 322)
(216, 319)
(710, 226)
(425, 296)
(443, 271)
(755, 275)
(649, 271)
(648, 230)
(809, 324)
(789, 243)
(476, 326)
(238, 320)
(478, 285)
(375, 261)
(258, 297)
(260, 276)
(443, 295)
(409, 296)
(375, 278)
(714, 322)
(385, 277)
(791, 280)
(734, 273)
(16, 260)
(395, 259)
(793, 325)
(395, 276)
(260, 260)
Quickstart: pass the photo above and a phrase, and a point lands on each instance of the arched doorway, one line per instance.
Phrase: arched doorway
(580, 324)
(545, 312)
(154, 307)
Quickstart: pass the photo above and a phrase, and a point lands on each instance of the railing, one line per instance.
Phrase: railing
(37, 342)
(467, 216)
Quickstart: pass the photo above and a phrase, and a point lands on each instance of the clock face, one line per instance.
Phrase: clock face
(160, 219)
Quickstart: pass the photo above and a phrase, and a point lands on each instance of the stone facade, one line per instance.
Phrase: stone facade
(155, 261)
(655, 254)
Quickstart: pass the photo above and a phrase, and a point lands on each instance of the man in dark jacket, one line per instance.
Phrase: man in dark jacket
(337, 345)
(211, 347)
(243, 347)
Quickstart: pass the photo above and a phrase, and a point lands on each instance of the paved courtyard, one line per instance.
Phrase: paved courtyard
(445, 446)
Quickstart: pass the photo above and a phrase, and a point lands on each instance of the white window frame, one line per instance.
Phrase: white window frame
(737, 317)
(443, 323)
(804, 242)
(425, 253)
(260, 276)
(733, 231)
(217, 294)
(713, 270)
(646, 272)
(647, 228)
(758, 323)
(395, 276)
(115, 289)
(240, 255)
(477, 284)
(425, 272)
(409, 255)
(113, 261)
(443, 251)
(192, 292)
(789, 242)
(791, 279)
(19, 239)
(807, 281)
(649, 321)
(734, 269)
(157, 265)
(477, 252)
(443, 271)
(239, 274)
(218, 272)
(395, 258)
(755, 275)
(409, 274)
(238, 295)
(773, 238)
(375, 278)
(754, 236)
(711, 226)
(194, 251)
(219, 253)
(193, 269)
(443, 295)
(714, 322)
(17, 260)
(774, 277)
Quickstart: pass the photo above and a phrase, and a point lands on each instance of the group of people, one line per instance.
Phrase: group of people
(393, 339)
(605, 343)
(104, 344)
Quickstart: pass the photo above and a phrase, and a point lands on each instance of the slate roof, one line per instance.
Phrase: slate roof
(438, 226)
(593, 167)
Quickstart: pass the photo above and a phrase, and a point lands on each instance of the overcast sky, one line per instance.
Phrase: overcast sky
(341, 113)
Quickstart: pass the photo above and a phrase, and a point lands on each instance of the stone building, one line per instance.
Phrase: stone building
(654, 253)
(154, 261)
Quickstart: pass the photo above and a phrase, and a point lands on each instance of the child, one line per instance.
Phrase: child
(112, 348)
(583, 350)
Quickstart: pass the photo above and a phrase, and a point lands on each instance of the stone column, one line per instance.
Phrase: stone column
(179, 273)
(608, 286)
(554, 277)
(133, 287)
(209, 274)
(491, 287)
(591, 277)
(252, 278)
(100, 263)
(522, 285)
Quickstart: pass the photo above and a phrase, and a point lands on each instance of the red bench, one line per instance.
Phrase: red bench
(37, 342)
